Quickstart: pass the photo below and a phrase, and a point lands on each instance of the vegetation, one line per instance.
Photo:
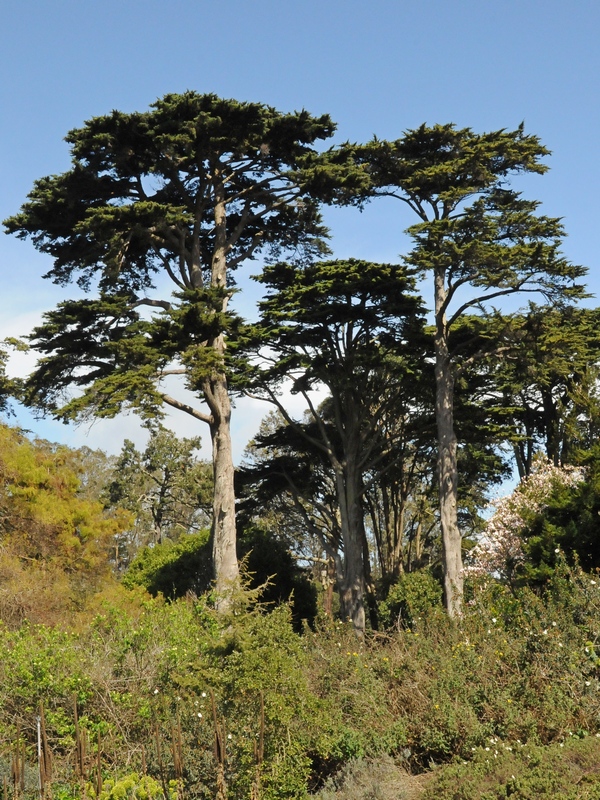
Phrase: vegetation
(180, 195)
(292, 710)
(364, 628)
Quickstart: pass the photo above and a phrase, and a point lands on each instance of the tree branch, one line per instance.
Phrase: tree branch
(193, 412)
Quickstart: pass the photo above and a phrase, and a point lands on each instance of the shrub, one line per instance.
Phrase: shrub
(413, 597)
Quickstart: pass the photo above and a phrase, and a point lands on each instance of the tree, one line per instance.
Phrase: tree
(166, 487)
(479, 241)
(354, 328)
(55, 540)
(9, 387)
(548, 385)
(503, 550)
(184, 193)
(286, 486)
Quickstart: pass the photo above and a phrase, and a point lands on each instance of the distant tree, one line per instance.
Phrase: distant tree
(548, 384)
(286, 484)
(9, 387)
(477, 239)
(287, 489)
(166, 487)
(180, 195)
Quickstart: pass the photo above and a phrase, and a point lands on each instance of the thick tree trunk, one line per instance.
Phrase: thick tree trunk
(353, 585)
(225, 562)
(447, 458)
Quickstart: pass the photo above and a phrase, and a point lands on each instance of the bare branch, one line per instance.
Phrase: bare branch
(147, 301)
(193, 412)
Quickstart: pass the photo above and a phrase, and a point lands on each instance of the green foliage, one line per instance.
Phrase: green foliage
(173, 568)
(166, 487)
(549, 384)
(269, 564)
(567, 526)
(567, 771)
(141, 199)
(413, 598)
(519, 673)
(9, 387)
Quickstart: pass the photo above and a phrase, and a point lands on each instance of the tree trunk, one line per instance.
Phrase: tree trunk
(352, 587)
(225, 562)
(447, 458)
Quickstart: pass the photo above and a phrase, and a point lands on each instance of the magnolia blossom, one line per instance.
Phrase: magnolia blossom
(500, 548)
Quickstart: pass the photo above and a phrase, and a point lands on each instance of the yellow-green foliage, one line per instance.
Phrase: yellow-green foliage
(133, 787)
(54, 541)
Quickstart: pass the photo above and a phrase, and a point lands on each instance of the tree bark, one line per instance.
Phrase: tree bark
(353, 585)
(447, 458)
(225, 563)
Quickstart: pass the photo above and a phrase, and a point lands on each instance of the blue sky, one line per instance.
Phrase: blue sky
(377, 68)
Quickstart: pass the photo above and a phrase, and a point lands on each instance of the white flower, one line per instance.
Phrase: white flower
(156, 691)
(229, 736)
(545, 632)
(500, 547)
(203, 694)
(199, 715)
(494, 620)
(593, 583)
(557, 550)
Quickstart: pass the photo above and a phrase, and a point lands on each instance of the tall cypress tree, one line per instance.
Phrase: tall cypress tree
(183, 193)
(477, 240)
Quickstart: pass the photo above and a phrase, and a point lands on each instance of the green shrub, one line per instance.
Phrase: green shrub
(413, 597)
(569, 771)
(173, 568)
(133, 787)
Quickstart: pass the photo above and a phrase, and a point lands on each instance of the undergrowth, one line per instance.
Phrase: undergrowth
(174, 691)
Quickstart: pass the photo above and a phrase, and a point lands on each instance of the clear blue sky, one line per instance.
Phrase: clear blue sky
(377, 68)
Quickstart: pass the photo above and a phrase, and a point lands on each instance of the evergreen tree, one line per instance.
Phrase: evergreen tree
(180, 195)
(548, 386)
(476, 238)
(354, 328)
(166, 487)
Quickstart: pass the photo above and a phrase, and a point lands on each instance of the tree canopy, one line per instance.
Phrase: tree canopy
(478, 239)
(180, 194)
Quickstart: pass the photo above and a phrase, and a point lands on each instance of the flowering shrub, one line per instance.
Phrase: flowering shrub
(500, 551)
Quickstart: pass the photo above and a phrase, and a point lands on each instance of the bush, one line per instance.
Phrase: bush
(173, 569)
(413, 597)
(521, 667)
(568, 771)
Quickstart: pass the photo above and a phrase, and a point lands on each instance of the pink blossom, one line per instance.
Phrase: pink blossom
(500, 548)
